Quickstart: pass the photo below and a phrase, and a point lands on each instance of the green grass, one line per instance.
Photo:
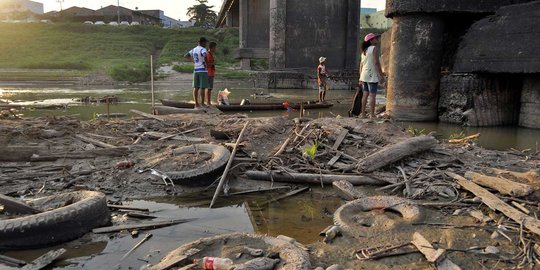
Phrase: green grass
(123, 52)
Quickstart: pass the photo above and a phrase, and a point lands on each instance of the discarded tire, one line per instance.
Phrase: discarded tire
(86, 210)
(354, 219)
(291, 256)
(203, 175)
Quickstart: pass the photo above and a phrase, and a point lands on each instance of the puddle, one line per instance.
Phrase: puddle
(302, 217)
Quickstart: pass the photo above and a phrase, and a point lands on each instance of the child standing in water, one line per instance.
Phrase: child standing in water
(371, 73)
(321, 79)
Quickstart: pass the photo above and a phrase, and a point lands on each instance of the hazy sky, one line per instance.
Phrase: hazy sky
(173, 8)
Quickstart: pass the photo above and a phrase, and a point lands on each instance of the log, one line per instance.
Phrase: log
(106, 152)
(497, 204)
(432, 255)
(44, 260)
(161, 135)
(346, 190)
(94, 141)
(315, 179)
(531, 176)
(147, 115)
(229, 163)
(140, 226)
(19, 153)
(502, 185)
(396, 152)
(14, 206)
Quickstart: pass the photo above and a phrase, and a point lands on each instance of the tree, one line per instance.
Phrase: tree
(202, 15)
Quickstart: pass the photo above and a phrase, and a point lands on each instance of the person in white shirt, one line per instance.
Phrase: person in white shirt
(200, 72)
(371, 73)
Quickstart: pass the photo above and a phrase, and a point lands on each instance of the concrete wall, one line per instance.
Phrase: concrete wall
(321, 28)
(258, 23)
(376, 20)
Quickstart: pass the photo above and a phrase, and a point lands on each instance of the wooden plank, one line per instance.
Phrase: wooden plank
(95, 142)
(288, 194)
(44, 260)
(340, 138)
(334, 160)
(432, 255)
(123, 207)
(497, 204)
(502, 185)
(147, 115)
(175, 261)
(141, 226)
(11, 261)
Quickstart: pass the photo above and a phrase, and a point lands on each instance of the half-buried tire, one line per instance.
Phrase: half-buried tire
(74, 214)
(209, 171)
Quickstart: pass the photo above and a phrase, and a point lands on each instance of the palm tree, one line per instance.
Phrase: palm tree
(202, 14)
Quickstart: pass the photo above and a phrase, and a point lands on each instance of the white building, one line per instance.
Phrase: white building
(14, 6)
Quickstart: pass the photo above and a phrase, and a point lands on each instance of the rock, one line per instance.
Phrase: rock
(335, 267)
(258, 264)
(331, 234)
(51, 133)
(491, 250)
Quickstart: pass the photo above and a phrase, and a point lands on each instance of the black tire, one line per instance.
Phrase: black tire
(88, 210)
(346, 215)
(204, 175)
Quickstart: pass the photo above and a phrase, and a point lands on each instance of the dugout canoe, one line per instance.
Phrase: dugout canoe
(267, 106)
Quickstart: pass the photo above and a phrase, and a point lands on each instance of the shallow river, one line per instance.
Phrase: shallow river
(139, 97)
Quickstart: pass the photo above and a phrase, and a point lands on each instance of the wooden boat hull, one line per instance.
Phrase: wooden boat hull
(252, 107)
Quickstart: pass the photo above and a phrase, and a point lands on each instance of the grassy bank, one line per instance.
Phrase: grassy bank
(122, 52)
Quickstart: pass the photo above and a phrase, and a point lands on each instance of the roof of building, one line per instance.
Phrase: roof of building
(225, 7)
(78, 11)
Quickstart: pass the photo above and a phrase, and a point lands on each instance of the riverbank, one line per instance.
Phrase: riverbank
(53, 155)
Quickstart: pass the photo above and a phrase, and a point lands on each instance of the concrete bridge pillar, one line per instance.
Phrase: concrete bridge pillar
(530, 103)
(278, 35)
(415, 67)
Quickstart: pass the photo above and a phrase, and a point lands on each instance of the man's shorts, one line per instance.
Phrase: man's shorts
(323, 88)
(370, 87)
(200, 80)
(210, 82)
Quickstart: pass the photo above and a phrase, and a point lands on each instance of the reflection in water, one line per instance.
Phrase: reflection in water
(139, 98)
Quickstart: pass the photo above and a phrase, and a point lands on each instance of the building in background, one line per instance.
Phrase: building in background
(20, 10)
(366, 11)
(375, 20)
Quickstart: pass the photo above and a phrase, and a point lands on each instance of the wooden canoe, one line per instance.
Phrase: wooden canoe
(267, 106)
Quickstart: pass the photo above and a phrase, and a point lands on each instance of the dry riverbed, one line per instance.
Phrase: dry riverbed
(487, 222)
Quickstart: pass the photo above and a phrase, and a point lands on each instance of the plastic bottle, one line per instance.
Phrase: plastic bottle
(215, 263)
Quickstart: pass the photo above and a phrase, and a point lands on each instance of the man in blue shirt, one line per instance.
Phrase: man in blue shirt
(200, 73)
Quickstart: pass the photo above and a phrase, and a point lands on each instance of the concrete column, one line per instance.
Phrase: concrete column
(353, 27)
(530, 103)
(278, 29)
(229, 19)
(244, 23)
(415, 67)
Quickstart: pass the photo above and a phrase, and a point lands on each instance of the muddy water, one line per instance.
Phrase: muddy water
(301, 217)
(139, 98)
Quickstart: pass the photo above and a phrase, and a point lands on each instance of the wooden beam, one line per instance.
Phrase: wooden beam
(95, 142)
(502, 185)
(497, 204)
(147, 115)
(432, 255)
(340, 138)
(44, 260)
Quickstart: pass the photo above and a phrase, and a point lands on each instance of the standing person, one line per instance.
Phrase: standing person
(200, 73)
(211, 64)
(370, 72)
(322, 75)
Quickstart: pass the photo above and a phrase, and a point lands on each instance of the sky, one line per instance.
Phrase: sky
(173, 8)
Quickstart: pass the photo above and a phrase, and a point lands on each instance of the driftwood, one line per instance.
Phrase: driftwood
(287, 195)
(497, 204)
(14, 206)
(44, 260)
(147, 115)
(146, 237)
(229, 163)
(94, 141)
(315, 179)
(433, 255)
(11, 261)
(396, 152)
(531, 176)
(122, 207)
(166, 110)
(502, 185)
(107, 152)
(161, 136)
(180, 133)
(177, 260)
(346, 190)
(466, 139)
(148, 225)
(19, 153)
(258, 190)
